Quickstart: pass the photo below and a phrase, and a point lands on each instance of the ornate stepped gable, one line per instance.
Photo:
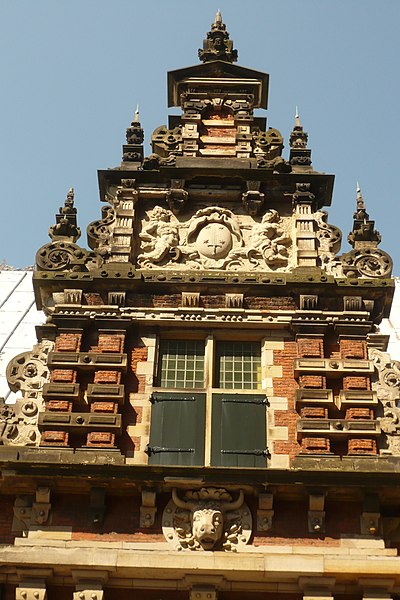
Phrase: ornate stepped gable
(212, 349)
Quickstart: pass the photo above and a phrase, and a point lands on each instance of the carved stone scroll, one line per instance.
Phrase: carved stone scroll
(367, 262)
(329, 238)
(26, 373)
(387, 386)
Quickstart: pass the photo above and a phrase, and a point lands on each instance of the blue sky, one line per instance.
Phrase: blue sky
(73, 70)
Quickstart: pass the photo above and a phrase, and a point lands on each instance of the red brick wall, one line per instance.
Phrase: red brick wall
(353, 349)
(68, 342)
(310, 347)
(139, 353)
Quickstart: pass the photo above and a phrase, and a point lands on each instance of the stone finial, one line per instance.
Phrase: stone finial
(217, 45)
(66, 224)
(133, 149)
(363, 233)
(366, 259)
(300, 155)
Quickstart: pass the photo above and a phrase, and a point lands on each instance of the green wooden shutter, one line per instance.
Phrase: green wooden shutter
(177, 429)
(239, 436)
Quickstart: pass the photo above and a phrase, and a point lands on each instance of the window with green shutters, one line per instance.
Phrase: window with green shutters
(178, 415)
(239, 430)
(177, 429)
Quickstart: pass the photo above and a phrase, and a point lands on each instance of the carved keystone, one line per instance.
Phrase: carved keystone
(316, 513)
(148, 508)
(265, 512)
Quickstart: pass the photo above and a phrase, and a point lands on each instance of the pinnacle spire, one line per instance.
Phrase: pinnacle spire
(297, 118)
(363, 233)
(217, 45)
(360, 199)
(133, 149)
(300, 155)
(66, 227)
(218, 18)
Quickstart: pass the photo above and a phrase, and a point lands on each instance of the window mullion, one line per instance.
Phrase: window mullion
(208, 380)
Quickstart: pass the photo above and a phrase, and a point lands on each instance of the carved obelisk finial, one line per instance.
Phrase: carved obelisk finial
(363, 233)
(66, 227)
(217, 45)
(133, 149)
(300, 155)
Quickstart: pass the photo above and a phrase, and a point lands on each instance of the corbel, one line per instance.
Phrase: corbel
(31, 511)
(97, 505)
(376, 588)
(127, 191)
(317, 588)
(148, 508)
(41, 506)
(371, 515)
(316, 513)
(31, 589)
(177, 196)
(89, 590)
(203, 592)
(253, 199)
(265, 512)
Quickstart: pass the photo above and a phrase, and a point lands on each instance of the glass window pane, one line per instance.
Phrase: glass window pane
(181, 363)
(238, 365)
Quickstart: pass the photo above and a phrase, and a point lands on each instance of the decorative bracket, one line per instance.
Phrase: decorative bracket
(29, 511)
(97, 505)
(148, 509)
(177, 196)
(31, 589)
(371, 515)
(316, 513)
(253, 199)
(265, 512)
